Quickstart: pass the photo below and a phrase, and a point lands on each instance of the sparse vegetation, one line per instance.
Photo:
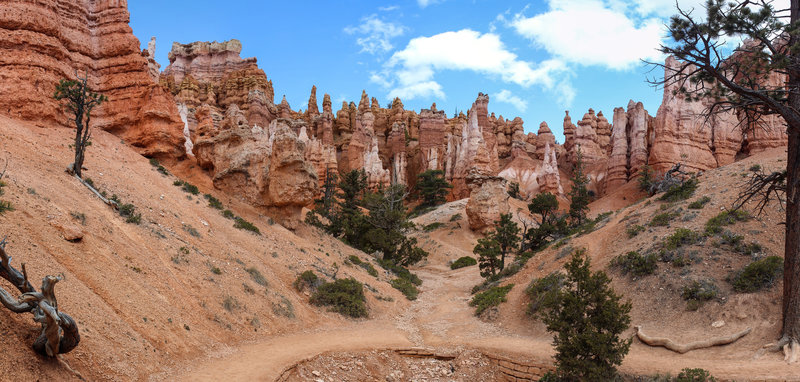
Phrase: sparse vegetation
(305, 280)
(79, 216)
(680, 191)
(432, 188)
(79, 103)
(455, 217)
(513, 191)
(406, 287)
(190, 230)
(213, 202)
(681, 237)
(579, 193)
(699, 203)
(663, 219)
(128, 211)
(737, 243)
(634, 230)
(490, 298)
(635, 264)
(158, 166)
(646, 178)
(344, 296)
(695, 375)
(432, 227)
(230, 303)
(215, 270)
(240, 223)
(228, 214)
(363, 264)
(187, 187)
(757, 275)
(256, 275)
(544, 292)
(697, 293)
(725, 218)
(462, 262)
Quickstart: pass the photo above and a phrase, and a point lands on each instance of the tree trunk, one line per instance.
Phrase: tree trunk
(791, 263)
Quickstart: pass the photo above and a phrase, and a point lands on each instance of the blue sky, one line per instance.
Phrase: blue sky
(534, 58)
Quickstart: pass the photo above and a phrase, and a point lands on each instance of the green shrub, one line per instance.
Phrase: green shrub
(635, 264)
(230, 303)
(680, 191)
(725, 218)
(681, 237)
(462, 262)
(240, 223)
(544, 292)
(406, 287)
(213, 202)
(128, 211)
(158, 166)
(757, 275)
(343, 296)
(489, 298)
(5, 206)
(736, 242)
(191, 230)
(187, 187)
(399, 271)
(695, 375)
(634, 230)
(698, 292)
(79, 216)
(228, 214)
(455, 217)
(699, 203)
(363, 264)
(663, 219)
(755, 168)
(257, 276)
(215, 270)
(134, 219)
(432, 226)
(305, 280)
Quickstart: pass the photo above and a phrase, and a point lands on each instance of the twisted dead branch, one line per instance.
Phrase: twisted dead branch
(59, 331)
(684, 348)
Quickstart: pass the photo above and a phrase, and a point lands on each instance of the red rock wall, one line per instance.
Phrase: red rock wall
(42, 42)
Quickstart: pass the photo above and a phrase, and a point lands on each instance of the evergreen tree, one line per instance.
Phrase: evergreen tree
(506, 235)
(80, 101)
(432, 188)
(354, 225)
(513, 191)
(579, 194)
(588, 318)
(488, 251)
(546, 205)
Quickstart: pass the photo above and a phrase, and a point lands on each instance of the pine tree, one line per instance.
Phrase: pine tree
(506, 235)
(80, 101)
(579, 194)
(488, 251)
(432, 188)
(588, 319)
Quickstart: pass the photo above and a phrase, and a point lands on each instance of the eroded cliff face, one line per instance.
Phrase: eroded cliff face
(44, 41)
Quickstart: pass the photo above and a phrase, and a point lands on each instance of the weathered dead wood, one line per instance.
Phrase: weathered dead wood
(98, 194)
(59, 331)
(684, 348)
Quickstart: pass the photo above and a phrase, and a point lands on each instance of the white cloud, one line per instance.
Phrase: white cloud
(588, 32)
(411, 71)
(389, 8)
(425, 3)
(376, 34)
(505, 96)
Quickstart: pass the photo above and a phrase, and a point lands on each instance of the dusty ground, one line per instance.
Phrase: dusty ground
(148, 310)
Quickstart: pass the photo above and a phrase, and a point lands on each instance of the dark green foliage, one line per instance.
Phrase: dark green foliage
(433, 226)
(79, 101)
(550, 226)
(513, 190)
(695, 375)
(228, 214)
(455, 218)
(757, 275)
(343, 296)
(240, 223)
(432, 188)
(662, 219)
(634, 230)
(489, 298)
(305, 280)
(488, 251)
(681, 237)
(215, 270)
(588, 319)
(544, 204)
(681, 191)
(257, 276)
(158, 166)
(579, 194)
(646, 178)
(755, 168)
(4, 205)
(128, 211)
(406, 287)
(506, 234)
(725, 218)
(736, 242)
(462, 262)
(187, 187)
(544, 292)
(363, 264)
(636, 264)
(699, 203)
(549, 377)
(189, 229)
(698, 292)
(214, 202)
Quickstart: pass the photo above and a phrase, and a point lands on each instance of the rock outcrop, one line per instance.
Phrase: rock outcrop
(487, 201)
(549, 178)
(45, 41)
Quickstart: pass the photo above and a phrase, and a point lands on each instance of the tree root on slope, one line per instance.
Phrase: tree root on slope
(683, 348)
(791, 349)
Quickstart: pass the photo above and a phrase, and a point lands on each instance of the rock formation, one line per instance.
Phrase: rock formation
(46, 41)
(487, 201)
(549, 178)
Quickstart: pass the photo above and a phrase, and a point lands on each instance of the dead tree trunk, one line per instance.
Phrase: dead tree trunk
(59, 331)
